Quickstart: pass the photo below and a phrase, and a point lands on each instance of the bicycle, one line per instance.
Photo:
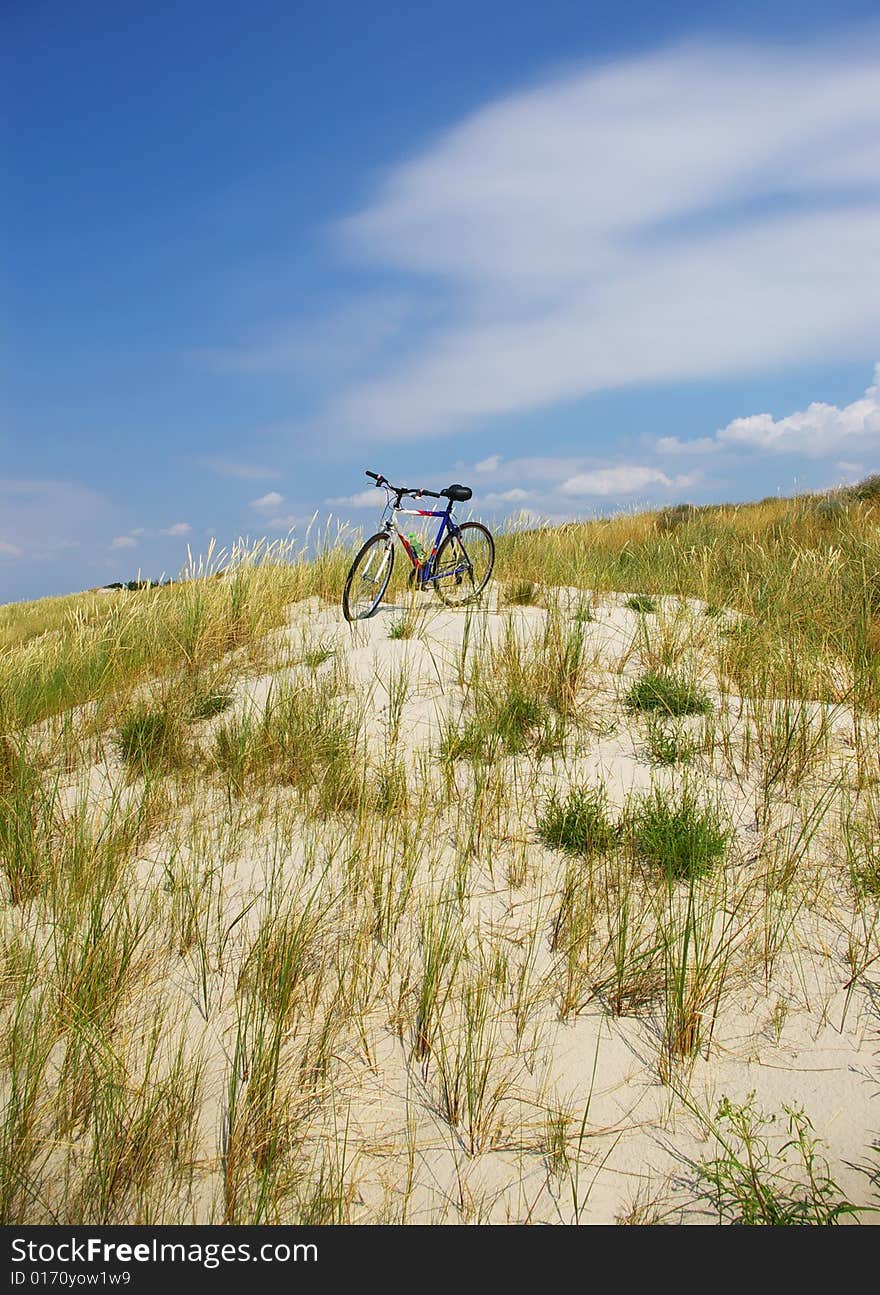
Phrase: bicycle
(458, 566)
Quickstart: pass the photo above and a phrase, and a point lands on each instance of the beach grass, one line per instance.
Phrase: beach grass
(308, 922)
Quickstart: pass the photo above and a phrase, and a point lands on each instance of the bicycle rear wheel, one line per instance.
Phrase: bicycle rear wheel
(464, 564)
(368, 578)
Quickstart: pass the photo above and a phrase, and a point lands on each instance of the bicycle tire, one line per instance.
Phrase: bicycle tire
(348, 606)
(457, 590)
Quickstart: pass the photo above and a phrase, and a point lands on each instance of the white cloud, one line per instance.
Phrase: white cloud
(9, 550)
(816, 432)
(363, 499)
(283, 523)
(851, 470)
(514, 496)
(490, 465)
(124, 542)
(556, 481)
(268, 502)
(672, 445)
(551, 487)
(624, 480)
(703, 211)
(179, 528)
(525, 470)
(531, 518)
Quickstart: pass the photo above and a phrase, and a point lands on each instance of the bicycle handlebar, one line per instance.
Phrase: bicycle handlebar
(400, 491)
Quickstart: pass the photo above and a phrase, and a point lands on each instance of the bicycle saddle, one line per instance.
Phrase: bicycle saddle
(458, 494)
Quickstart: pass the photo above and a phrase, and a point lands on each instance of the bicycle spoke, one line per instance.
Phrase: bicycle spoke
(465, 564)
(368, 578)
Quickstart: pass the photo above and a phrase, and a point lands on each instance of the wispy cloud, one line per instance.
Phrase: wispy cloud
(521, 471)
(514, 496)
(238, 469)
(9, 550)
(282, 523)
(624, 480)
(363, 499)
(41, 518)
(702, 211)
(287, 522)
(343, 340)
(132, 537)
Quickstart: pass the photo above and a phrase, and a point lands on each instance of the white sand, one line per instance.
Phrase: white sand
(794, 1039)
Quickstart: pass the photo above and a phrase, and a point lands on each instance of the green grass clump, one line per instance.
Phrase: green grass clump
(676, 834)
(754, 1184)
(862, 844)
(150, 740)
(666, 745)
(668, 693)
(509, 723)
(402, 628)
(579, 823)
(206, 705)
(281, 959)
(641, 603)
(517, 717)
(866, 876)
(670, 519)
(316, 656)
(304, 738)
(391, 793)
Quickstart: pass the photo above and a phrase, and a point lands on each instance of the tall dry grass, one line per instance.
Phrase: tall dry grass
(296, 919)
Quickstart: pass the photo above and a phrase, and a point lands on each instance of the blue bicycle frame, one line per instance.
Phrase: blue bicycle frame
(426, 571)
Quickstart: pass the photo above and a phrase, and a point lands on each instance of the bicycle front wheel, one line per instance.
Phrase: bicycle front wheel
(464, 564)
(368, 578)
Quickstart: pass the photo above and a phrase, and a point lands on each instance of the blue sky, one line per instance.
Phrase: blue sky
(582, 257)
